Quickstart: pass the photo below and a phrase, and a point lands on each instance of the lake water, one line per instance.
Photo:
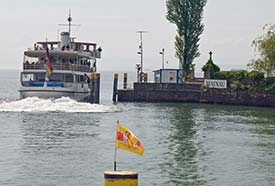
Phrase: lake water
(65, 143)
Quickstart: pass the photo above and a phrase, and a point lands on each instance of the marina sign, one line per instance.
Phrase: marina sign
(213, 83)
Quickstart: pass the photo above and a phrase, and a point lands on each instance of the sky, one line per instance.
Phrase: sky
(230, 28)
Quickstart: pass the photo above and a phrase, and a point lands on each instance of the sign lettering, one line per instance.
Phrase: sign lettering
(213, 83)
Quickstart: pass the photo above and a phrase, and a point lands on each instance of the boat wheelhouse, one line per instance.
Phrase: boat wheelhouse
(72, 63)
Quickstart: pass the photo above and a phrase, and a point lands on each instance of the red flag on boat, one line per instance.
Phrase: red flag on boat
(48, 62)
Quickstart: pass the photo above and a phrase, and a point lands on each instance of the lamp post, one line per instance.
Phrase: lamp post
(162, 53)
(138, 69)
(141, 54)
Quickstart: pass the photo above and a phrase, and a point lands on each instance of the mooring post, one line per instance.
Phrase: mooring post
(92, 88)
(97, 88)
(119, 178)
(125, 77)
(115, 88)
(145, 77)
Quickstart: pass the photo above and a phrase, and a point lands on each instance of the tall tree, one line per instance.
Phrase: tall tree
(265, 48)
(187, 15)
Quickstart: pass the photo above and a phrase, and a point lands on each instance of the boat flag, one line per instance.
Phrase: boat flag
(126, 140)
(48, 62)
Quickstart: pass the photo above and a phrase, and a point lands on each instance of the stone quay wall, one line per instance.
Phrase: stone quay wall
(192, 93)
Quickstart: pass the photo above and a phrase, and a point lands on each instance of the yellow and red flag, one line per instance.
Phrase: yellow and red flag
(126, 140)
(48, 62)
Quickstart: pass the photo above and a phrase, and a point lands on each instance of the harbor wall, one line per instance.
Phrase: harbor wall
(156, 92)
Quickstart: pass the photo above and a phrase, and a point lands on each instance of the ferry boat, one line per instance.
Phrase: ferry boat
(54, 69)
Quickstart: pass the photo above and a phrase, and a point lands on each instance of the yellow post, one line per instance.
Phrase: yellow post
(93, 75)
(145, 77)
(97, 87)
(120, 178)
(115, 87)
(125, 77)
(97, 75)
(116, 76)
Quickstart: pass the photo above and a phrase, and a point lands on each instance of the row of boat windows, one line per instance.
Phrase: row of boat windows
(67, 78)
(54, 59)
(83, 61)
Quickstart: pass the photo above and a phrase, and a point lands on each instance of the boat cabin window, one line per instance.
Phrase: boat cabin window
(67, 60)
(40, 77)
(64, 60)
(80, 78)
(56, 77)
(26, 77)
(53, 59)
(67, 78)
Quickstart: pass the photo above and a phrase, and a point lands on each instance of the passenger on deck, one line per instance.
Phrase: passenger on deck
(94, 67)
(87, 79)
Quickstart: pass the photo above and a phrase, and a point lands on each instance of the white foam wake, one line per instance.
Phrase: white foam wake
(64, 104)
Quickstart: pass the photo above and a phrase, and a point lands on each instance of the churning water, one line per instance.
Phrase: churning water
(64, 104)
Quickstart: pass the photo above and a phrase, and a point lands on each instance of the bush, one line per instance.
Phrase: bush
(267, 85)
(240, 75)
(231, 76)
(255, 76)
(253, 81)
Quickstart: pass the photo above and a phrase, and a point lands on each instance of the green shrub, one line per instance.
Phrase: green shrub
(253, 81)
(231, 76)
(255, 76)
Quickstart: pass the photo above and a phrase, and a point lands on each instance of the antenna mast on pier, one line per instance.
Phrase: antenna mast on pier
(141, 54)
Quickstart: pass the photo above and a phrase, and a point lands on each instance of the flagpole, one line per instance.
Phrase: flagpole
(47, 73)
(115, 147)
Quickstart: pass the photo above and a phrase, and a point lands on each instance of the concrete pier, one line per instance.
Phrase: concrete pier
(193, 93)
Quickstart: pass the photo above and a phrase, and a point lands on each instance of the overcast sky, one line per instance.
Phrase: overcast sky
(230, 27)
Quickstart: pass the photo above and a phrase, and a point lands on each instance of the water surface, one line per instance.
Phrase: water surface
(67, 143)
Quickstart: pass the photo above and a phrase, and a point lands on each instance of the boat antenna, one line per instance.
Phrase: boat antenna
(70, 19)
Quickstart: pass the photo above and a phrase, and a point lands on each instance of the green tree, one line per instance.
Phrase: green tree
(187, 15)
(265, 50)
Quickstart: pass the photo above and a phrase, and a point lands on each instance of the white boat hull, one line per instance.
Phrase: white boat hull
(46, 93)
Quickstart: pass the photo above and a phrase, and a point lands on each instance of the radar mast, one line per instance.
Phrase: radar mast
(69, 19)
